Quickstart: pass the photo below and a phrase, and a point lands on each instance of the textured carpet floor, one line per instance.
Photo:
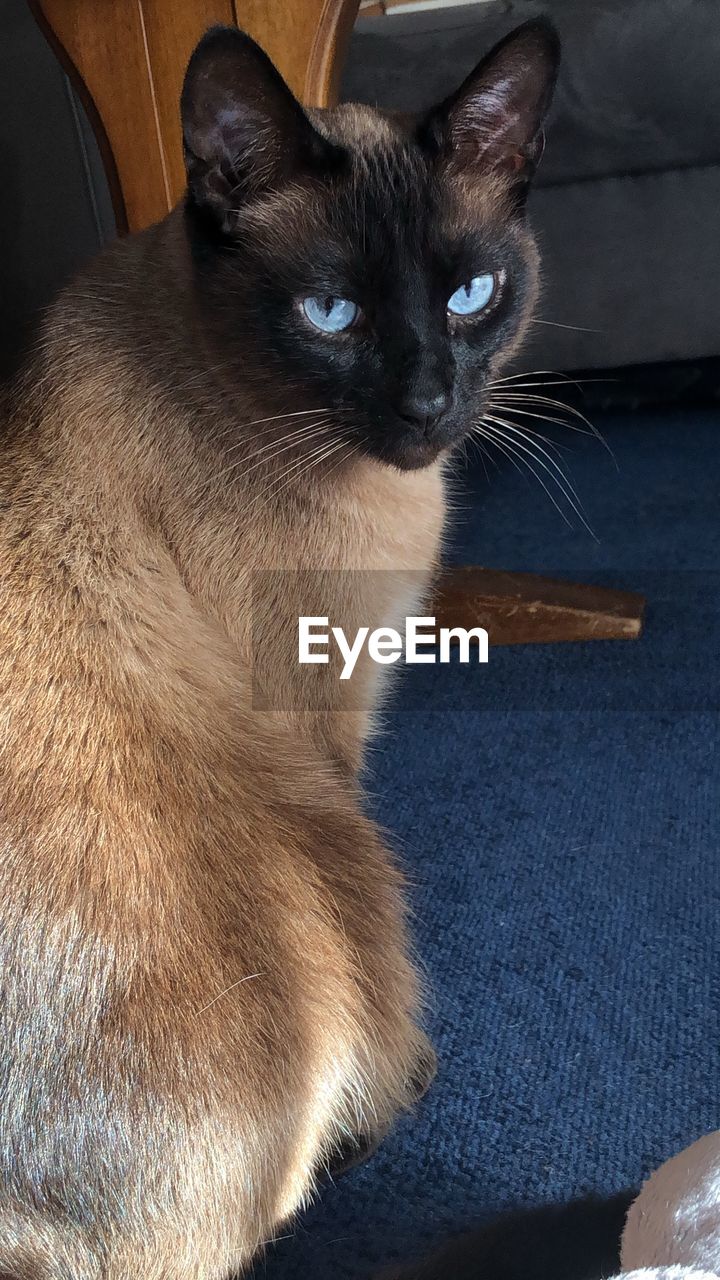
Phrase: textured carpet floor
(558, 815)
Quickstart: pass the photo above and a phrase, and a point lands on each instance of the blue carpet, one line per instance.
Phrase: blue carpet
(558, 815)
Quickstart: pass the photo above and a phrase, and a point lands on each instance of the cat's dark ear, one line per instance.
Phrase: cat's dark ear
(494, 120)
(243, 130)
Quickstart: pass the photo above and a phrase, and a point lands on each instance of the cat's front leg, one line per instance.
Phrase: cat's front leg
(358, 1148)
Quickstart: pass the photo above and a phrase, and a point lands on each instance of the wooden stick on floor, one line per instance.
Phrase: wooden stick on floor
(524, 608)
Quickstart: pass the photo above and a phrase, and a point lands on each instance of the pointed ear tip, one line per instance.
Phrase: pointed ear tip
(221, 39)
(214, 41)
(219, 56)
(215, 37)
(542, 32)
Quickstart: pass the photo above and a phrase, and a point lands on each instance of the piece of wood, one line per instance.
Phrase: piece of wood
(524, 608)
(306, 39)
(126, 59)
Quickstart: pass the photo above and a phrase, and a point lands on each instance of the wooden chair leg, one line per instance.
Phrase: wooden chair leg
(524, 608)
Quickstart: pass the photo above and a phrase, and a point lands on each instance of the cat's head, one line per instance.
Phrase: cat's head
(355, 261)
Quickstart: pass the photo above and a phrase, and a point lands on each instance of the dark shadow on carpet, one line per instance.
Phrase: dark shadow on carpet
(575, 1241)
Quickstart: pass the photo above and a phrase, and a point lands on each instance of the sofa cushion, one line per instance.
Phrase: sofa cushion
(639, 88)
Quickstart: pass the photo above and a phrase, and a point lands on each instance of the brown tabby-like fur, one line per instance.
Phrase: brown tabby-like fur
(205, 982)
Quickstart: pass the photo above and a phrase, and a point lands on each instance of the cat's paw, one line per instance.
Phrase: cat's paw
(358, 1148)
(353, 1151)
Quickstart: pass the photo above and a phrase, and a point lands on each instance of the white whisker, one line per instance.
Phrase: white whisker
(300, 439)
(530, 398)
(561, 479)
(502, 407)
(538, 400)
(577, 328)
(303, 467)
(298, 469)
(532, 373)
(232, 987)
(237, 429)
(532, 431)
(269, 451)
(485, 455)
(500, 441)
(550, 465)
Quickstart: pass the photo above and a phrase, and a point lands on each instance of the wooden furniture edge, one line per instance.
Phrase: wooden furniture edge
(526, 608)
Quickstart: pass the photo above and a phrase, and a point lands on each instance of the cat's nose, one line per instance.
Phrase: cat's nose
(424, 410)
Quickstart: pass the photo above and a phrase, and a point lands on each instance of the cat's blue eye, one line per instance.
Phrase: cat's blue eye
(332, 315)
(472, 297)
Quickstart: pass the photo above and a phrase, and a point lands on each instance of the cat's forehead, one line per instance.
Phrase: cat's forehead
(393, 175)
(391, 208)
(358, 127)
(387, 167)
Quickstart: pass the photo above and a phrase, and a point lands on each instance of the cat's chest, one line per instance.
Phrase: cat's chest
(362, 557)
(384, 519)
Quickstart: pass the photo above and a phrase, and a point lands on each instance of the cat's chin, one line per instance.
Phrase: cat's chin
(410, 455)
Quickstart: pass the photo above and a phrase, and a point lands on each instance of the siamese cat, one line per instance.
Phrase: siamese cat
(206, 989)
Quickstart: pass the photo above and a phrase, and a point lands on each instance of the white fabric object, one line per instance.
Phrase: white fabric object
(674, 1224)
(665, 1273)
